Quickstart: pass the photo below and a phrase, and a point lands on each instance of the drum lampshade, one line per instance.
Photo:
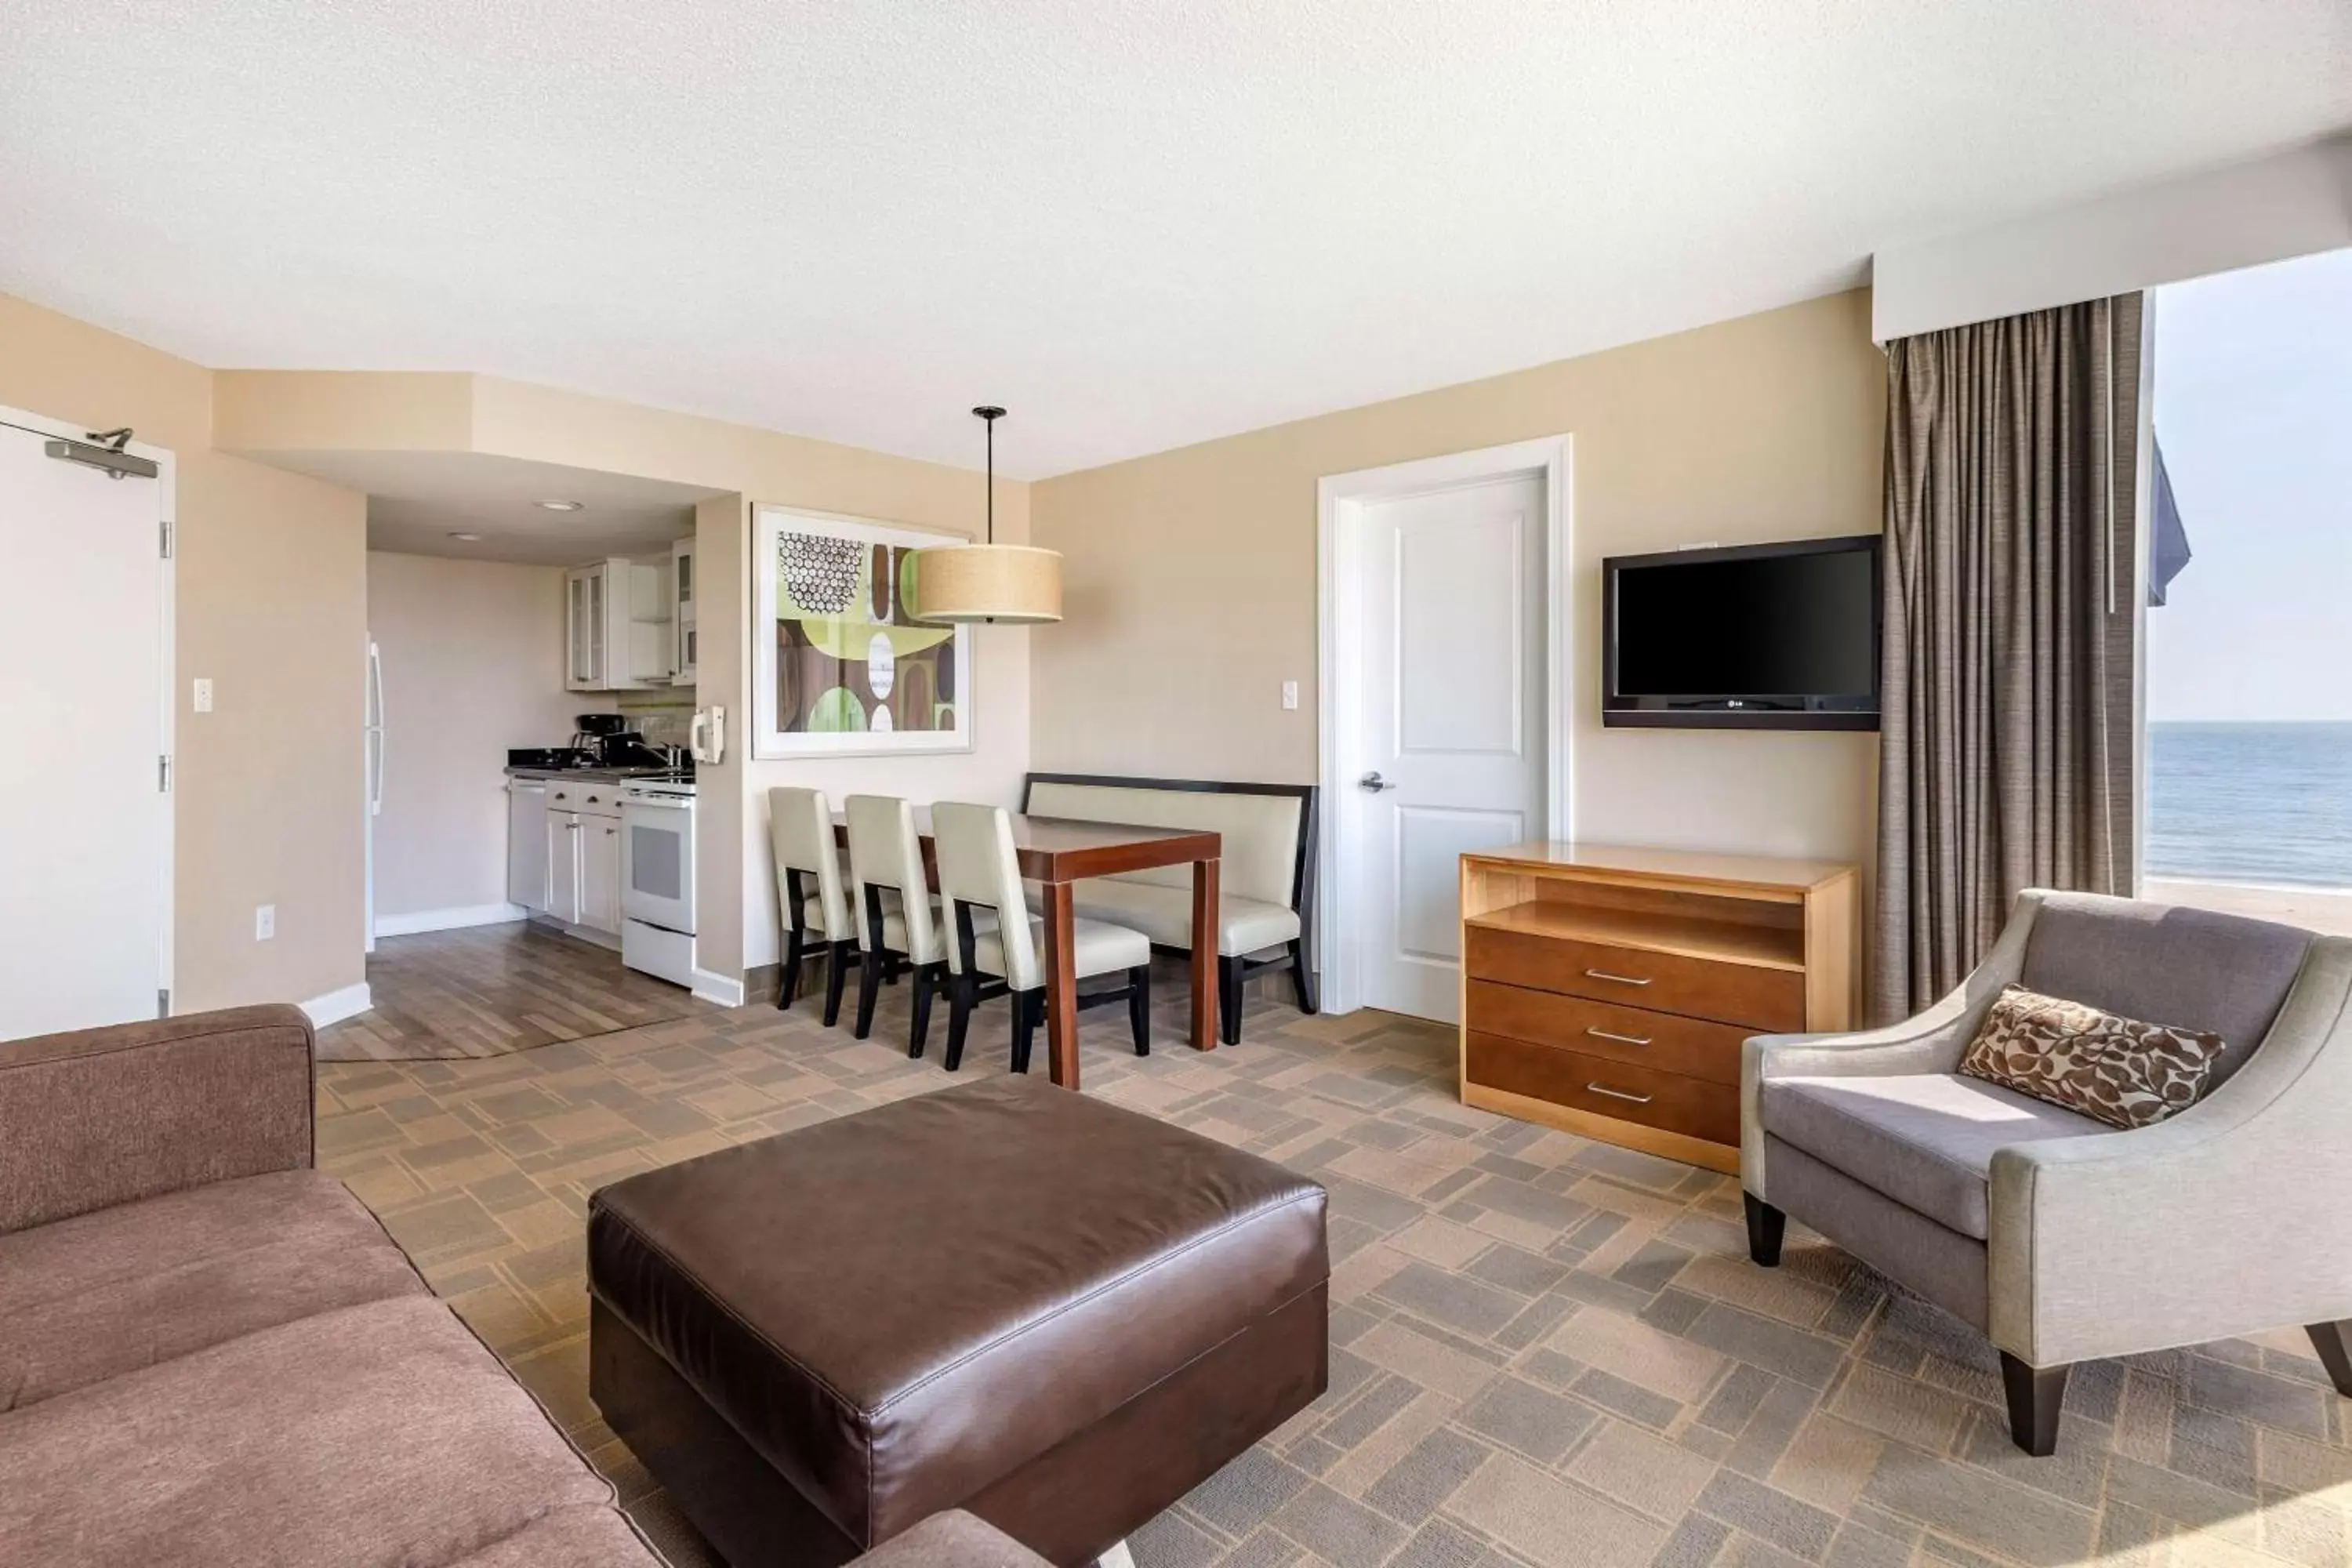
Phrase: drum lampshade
(1004, 583)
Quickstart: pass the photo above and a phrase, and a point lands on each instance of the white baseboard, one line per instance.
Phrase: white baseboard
(448, 919)
(337, 1005)
(718, 988)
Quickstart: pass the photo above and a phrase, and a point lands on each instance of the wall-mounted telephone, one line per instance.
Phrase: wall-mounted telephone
(705, 736)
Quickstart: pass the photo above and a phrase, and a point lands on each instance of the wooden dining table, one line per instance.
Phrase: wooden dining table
(1058, 851)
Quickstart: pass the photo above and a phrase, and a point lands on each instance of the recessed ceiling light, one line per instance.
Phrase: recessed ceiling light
(468, 538)
(561, 505)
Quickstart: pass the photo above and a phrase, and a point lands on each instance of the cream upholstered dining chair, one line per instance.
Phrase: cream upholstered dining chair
(895, 909)
(980, 881)
(2059, 1238)
(810, 893)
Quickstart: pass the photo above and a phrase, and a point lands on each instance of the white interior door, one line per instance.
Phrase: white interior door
(85, 826)
(1452, 734)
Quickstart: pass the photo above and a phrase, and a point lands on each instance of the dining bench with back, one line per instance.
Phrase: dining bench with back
(1266, 907)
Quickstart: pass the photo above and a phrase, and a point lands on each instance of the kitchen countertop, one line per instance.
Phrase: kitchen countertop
(592, 775)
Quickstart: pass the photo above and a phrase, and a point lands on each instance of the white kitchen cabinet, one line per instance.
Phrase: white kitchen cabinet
(683, 614)
(599, 874)
(527, 844)
(564, 865)
(584, 858)
(616, 627)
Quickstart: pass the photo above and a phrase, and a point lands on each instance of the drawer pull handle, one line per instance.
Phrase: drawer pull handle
(1621, 1040)
(1617, 1093)
(1619, 979)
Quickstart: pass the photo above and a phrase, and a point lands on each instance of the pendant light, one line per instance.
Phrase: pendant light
(1009, 584)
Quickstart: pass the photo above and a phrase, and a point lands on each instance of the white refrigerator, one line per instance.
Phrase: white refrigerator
(372, 746)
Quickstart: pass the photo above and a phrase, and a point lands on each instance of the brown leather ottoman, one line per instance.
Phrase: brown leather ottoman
(1002, 1297)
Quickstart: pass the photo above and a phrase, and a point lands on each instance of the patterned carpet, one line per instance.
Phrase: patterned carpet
(1545, 1350)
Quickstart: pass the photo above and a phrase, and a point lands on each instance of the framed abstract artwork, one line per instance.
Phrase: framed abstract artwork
(840, 667)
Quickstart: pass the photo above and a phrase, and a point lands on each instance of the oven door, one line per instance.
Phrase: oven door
(657, 862)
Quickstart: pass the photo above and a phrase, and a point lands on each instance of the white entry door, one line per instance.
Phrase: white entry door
(1451, 738)
(85, 841)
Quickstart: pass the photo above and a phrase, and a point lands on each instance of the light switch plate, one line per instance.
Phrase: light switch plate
(202, 695)
(1290, 694)
(265, 921)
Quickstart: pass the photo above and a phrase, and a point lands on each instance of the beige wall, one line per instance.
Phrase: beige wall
(473, 664)
(272, 412)
(272, 605)
(1190, 578)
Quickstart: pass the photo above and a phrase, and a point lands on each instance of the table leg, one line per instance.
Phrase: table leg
(1204, 955)
(1059, 953)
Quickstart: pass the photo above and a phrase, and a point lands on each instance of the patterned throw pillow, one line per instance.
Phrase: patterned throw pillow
(2116, 1071)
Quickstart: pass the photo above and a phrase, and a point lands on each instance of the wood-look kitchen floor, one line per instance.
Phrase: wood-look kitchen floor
(488, 990)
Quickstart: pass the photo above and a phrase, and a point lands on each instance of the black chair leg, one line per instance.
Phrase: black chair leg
(788, 978)
(926, 979)
(1766, 1226)
(869, 981)
(837, 971)
(1028, 1007)
(2330, 1341)
(1229, 999)
(1138, 1007)
(2035, 1393)
(1302, 979)
(961, 1002)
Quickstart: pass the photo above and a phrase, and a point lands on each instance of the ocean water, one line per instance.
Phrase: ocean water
(2250, 803)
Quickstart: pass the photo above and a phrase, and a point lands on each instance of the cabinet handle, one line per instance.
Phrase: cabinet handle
(1617, 1094)
(592, 800)
(1618, 979)
(1621, 1040)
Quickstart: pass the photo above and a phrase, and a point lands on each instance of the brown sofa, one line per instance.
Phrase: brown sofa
(211, 1354)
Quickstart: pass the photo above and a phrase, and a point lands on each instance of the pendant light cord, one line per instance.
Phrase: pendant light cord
(990, 414)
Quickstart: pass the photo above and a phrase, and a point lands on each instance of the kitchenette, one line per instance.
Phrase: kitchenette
(599, 843)
(483, 814)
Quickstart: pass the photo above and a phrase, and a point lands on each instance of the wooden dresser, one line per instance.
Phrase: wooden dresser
(1607, 990)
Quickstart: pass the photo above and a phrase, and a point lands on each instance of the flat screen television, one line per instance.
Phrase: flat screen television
(1762, 636)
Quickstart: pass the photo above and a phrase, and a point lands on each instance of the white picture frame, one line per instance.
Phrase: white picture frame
(833, 703)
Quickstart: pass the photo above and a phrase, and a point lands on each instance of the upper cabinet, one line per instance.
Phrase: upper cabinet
(683, 588)
(616, 620)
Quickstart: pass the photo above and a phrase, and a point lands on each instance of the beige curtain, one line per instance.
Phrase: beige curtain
(2006, 753)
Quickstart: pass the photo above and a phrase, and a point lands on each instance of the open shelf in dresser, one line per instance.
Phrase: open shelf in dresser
(1607, 989)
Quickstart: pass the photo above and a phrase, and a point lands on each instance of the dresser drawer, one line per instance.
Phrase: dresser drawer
(1754, 995)
(1669, 1041)
(1693, 1107)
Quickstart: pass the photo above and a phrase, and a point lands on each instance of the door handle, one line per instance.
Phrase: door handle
(1374, 783)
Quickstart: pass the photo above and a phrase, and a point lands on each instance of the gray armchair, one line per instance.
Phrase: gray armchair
(2059, 1238)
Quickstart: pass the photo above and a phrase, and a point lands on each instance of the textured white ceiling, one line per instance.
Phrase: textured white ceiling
(1136, 225)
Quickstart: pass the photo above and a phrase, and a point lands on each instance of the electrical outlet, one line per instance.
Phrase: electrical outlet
(265, 921)
(1290, 694)
(203, 694)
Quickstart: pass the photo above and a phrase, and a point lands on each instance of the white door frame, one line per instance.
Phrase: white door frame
(1341, 500)
(167, 524)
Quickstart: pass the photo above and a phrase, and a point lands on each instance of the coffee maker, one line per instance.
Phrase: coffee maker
(607, 742)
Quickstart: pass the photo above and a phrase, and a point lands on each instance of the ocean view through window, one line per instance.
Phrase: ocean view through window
(2249, 673)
